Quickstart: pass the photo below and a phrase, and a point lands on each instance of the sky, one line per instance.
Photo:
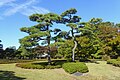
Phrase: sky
(14, 14)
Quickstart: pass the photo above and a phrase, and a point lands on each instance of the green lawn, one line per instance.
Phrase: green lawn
(103, 70)
(100, 71)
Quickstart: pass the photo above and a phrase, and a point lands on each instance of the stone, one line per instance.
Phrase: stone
(78, 74)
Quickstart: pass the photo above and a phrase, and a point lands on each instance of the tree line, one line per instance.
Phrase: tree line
(83, 40)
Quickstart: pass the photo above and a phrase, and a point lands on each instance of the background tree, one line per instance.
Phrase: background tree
(1, 50)
(65, 49)
(10, 52)
(89, 32)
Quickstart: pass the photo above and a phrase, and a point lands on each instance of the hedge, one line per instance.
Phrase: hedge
(118, 59)
(70, 67)
(7, 61)
(41, 65)
(111, 61)
(114, 62)
(29, 66)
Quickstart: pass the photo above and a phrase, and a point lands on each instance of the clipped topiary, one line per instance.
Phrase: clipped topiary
(75, 67)
(118, 59)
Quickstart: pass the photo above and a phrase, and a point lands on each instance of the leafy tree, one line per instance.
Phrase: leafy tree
(117, 25)
(90, 31)
(1, 50)
(44, 49)
(1, 45)
(66, 49)
(114, 45)
(108, 32)
(10, 52)
(24, 52)
(41, 31)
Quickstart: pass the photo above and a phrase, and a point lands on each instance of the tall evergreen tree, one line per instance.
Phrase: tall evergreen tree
(70, 19)
(41, 31)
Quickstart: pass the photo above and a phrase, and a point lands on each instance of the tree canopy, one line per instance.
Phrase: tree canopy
(92, 39)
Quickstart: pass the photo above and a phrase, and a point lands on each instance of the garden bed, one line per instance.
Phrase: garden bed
(70, 67)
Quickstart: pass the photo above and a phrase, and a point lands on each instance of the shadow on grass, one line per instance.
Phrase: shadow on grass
(9, 75)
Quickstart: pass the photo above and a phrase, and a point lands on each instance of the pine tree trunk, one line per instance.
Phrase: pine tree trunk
(73, 51)
(49, 57)
(75, 45)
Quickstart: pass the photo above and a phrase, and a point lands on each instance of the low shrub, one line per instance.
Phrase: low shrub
(29, 66)
(7, 61)
(52, 66)
(114, 62)
(111, 61)
(117, 64)
(41, 65)
(118, 59)
(75, 67)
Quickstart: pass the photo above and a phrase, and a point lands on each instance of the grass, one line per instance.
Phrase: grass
(31, 74)
(103, 70)
(100, 71)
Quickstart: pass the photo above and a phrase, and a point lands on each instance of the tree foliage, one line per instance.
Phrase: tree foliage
(83, 40)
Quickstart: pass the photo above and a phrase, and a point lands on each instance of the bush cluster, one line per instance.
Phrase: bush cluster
(70, 67)
(118, 59)
(114, 62)
(75, 67)
(6, 61)
(111, 61)
(41, 65)
(29, 66)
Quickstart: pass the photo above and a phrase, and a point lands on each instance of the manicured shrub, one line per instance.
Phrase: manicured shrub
(59, 62)
(117, 64)
(41, 65)
(114, 62)
(118, 59)
(7, 61)
(52, 66)
(111, 61)
(75, 67)
(30, 66)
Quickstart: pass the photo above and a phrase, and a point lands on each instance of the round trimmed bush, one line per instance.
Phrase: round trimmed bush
(75, 67)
